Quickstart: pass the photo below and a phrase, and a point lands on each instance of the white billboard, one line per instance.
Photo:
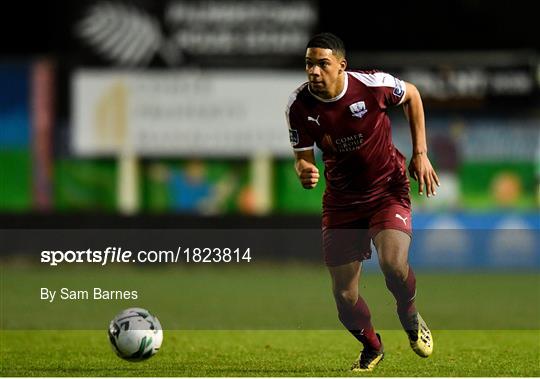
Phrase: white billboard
(182, 113)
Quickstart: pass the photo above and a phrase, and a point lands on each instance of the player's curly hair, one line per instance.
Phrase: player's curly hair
(328, 41)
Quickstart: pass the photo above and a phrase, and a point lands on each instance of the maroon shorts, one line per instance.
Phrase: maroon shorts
(347, 235)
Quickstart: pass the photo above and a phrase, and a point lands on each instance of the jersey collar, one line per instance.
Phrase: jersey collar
(336, 98)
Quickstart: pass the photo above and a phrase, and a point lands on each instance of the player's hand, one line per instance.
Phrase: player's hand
(308, 174)
(422, 171)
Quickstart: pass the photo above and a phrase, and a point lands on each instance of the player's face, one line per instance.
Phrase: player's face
(323, 69)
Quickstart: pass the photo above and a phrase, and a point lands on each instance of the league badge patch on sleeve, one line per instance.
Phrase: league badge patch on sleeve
(398, 89)
(293, 137)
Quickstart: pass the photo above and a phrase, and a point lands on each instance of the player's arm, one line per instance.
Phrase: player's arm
(420, 167)
(305, 168)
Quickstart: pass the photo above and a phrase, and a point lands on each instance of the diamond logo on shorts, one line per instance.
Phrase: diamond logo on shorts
(404, 219)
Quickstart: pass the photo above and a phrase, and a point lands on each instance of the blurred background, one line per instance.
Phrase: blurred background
(170, 113)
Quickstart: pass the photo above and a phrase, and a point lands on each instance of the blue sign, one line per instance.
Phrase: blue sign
(475, 241)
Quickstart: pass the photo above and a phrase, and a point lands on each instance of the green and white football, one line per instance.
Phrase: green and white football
(135, 334)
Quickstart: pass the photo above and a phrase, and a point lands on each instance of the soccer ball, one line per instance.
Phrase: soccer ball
(135, 334)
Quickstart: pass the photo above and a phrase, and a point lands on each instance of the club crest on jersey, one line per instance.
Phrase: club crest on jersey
(358, 109)
(293, 137)
(398, 89)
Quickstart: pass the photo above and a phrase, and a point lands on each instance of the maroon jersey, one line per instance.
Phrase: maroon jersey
(362, 165)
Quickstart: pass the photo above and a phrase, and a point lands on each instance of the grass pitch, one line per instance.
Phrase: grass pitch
(269, 353)
(264, 320)
(284, 296)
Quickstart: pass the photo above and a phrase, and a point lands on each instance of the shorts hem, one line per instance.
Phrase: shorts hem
(406, 231)
(335, 264)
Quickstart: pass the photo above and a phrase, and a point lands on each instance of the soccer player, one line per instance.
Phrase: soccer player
(367, 189)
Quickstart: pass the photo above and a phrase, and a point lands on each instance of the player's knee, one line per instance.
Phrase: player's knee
(395, 276)
(346, 298)
(394, 268)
